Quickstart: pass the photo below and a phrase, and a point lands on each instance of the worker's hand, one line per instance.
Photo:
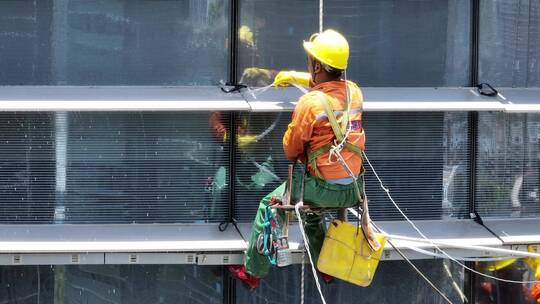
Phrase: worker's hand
(285, 78)
(244, 140)
(256, 76)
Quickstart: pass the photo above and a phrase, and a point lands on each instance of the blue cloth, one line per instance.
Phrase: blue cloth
(340, 181)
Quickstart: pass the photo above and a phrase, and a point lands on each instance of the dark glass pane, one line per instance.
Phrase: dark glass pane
(122, 42)
(508, 165)
(101, 284)
(489, 291)
(144, 167)
(27, 167)
(261, 165)
(393, 43)
(394, 282)
(421, 157)
(510, 43)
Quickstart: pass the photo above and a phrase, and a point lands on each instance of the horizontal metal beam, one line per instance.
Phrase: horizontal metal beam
(204, 244)
(211, 98)
(112, 98)
(388, 99)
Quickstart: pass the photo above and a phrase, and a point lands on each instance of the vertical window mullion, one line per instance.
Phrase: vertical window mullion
(470, 279)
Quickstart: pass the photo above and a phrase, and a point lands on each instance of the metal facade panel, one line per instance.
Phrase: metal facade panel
(386, 99)
(118, 98)
(516, 231)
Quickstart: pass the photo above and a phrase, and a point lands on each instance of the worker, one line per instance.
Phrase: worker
(308, 137)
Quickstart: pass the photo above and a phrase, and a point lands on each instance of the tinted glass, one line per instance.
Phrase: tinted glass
(122, 284)
(394, 282)
(508, 165)
(145, 167)
(421, 157)
(393, 43)
(27, 167)
(489, 291)
(113, 168)
(510, 43)
(120, 42)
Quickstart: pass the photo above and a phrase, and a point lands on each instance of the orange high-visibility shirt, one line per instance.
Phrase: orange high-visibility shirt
(310, 128)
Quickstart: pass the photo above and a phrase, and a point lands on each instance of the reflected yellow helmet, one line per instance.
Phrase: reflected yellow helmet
(330, 48)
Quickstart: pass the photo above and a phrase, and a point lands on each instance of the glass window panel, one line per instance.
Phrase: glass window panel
(393, 43)
(119, 167)
(144, 167)
(489, 291)
(105, 284)
(421, 157)
(27, 167)
(508, 165)
(260, 166)
(509, 43)
(120, 42)
(394, 282)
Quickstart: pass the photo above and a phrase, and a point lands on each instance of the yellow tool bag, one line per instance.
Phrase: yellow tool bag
(347, 255)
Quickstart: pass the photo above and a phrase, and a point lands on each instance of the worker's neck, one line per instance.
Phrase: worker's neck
(322, 79)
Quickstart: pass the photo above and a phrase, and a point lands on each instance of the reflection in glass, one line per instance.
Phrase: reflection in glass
(394, 282)
(489, 291)
(144, 168)
(27, 167)
(509, 43)
(261, 164)
(508, 165)
(393, 43)
(111, 284)
(76, 42)
(421, 157)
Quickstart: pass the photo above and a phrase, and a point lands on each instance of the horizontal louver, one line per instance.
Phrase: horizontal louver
(27, 167)
(508, 165)
(260, 166)
(113, 168)
(421, 157)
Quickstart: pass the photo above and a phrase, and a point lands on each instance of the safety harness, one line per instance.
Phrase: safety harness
(341, 142)
(339, 133)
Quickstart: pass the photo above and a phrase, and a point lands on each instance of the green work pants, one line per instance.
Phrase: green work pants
(318, 193)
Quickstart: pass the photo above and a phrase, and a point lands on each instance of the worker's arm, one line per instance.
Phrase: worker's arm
(218, 128)
(299, 130)
(285, 78)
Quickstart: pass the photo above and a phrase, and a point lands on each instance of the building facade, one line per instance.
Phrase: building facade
(71, 169)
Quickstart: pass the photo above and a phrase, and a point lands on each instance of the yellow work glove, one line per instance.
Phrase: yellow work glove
(244, 140)
(285, 78)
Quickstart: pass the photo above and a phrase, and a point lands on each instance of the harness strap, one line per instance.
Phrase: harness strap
(339, 133)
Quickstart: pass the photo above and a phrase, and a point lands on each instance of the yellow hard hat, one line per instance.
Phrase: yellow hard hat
(330, 48)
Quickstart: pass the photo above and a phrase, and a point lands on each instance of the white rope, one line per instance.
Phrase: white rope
(511, 252)
(302, 280)
(321, 13)
(306, 243)
(431, 242)
(461, 258)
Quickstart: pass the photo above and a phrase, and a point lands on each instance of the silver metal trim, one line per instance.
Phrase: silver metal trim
(118, 98)
(388, 99)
